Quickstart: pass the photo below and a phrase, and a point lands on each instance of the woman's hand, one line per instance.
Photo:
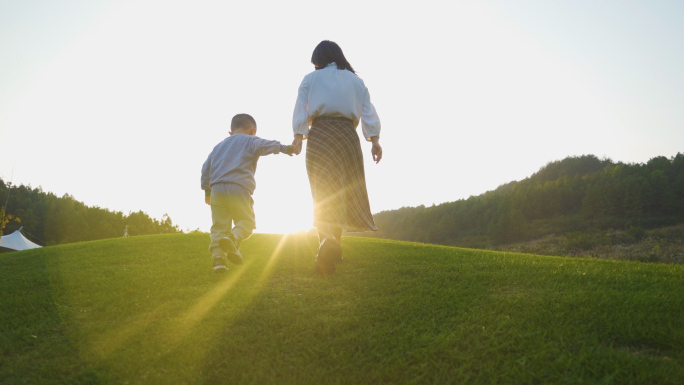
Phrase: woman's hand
(297, 144)
(376, 150)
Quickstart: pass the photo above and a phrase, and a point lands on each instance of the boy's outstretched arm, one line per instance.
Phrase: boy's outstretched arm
(263, 147)
(286, 149)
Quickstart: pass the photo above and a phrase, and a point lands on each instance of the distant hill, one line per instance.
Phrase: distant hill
(573, 194)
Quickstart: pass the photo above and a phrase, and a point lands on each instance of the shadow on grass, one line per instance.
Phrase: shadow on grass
(302, 328)
(35, 343)
(254, 343)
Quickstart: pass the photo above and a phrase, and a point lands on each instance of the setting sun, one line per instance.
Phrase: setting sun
(282, 199)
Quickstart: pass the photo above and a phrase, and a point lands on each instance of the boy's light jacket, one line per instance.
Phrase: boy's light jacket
(234, 160)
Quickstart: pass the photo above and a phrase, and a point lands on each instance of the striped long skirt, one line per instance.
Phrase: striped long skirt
(334, 163)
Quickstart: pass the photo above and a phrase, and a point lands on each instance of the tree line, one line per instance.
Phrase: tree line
(574, 194)
(51, 220)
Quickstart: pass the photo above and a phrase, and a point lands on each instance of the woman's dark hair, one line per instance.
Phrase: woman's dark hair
(327, 52)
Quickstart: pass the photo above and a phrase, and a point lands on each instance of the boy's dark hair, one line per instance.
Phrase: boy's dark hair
(241, 121)
(327, 52)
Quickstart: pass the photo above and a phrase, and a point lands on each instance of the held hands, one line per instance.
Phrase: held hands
(376, 150)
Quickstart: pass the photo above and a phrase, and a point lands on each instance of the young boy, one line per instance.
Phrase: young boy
(228, 183)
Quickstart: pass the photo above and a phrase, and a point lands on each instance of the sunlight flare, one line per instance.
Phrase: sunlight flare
(111, 342)
(272, 258)
(194, 315)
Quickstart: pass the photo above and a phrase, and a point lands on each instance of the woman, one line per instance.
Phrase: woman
(332, 100)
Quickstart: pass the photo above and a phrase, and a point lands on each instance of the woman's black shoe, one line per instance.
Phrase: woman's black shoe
(330, 251)
(329, 254)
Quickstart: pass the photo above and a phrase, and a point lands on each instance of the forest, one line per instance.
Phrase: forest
(576, 194)
(51, 220)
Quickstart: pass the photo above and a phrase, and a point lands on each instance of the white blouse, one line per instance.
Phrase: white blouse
(333, 92)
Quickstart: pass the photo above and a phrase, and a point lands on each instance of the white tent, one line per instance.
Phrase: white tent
(17, 241)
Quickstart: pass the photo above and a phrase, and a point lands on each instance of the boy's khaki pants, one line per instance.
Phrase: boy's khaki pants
(230, 203)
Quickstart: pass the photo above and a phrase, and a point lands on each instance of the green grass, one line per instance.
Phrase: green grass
(148, 310)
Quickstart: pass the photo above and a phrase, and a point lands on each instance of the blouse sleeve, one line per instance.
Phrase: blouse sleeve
(300, 118)
(370, 122)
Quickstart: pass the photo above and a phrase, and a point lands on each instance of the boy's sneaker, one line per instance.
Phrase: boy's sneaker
(228, 245)
(220, 264)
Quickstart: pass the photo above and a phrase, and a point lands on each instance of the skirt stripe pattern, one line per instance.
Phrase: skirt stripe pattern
(334, 164)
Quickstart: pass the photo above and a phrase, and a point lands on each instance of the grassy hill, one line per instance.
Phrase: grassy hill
(147, 310)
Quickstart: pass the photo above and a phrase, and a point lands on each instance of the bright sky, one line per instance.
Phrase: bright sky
(118, 103)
